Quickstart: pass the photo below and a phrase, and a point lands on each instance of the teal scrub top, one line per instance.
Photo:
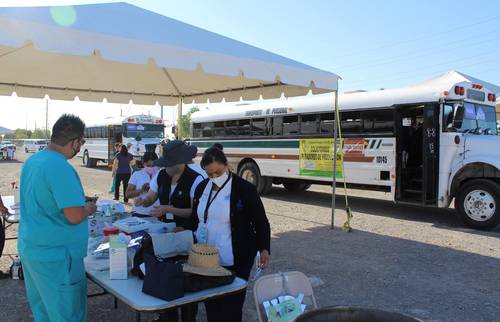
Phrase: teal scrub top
(48, 185)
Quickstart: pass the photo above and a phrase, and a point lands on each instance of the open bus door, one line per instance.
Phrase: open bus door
(417, 153)
(114, 136)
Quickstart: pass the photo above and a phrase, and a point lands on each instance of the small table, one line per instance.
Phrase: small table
(130, 292)
(14, 211)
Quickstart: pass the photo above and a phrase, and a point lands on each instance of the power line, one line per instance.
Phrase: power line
(435, 72)
(447, 63)
(431, 35)
(408, 56)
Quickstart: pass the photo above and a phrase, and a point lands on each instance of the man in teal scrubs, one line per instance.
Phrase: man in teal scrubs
(53, 230)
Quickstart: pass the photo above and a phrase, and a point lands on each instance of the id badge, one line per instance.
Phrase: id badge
(202, 234)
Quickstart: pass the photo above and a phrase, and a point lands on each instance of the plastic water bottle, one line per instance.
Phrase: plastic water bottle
(16, 268)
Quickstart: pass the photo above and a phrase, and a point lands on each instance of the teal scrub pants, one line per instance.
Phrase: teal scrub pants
(57, 291)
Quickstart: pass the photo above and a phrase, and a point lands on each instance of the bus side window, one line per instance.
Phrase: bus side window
(197, 131)
(378, 121)
(219, 130)
(207, 129)
(350, 122)
(259, 127)
(448, 117)
(291, 125)
(244, 127)
(326, 122)
(277, 125)
(309, 124)
(231, 128)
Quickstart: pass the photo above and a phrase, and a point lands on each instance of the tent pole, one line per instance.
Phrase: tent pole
(179, 119)
(335, 135)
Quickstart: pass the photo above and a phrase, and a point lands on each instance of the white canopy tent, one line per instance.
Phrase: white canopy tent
(121, 52)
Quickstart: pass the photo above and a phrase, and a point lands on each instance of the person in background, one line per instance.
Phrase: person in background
(53, 230)
(118, 146)
(228, 214)
(122, 171)
(10, 153)
(192, 164)
(138, 186)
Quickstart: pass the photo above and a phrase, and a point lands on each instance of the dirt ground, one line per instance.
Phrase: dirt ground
(419, 261)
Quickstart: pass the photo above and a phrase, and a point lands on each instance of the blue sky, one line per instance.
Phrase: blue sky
(371, 44)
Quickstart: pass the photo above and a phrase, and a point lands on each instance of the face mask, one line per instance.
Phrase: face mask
(75, 151)
(150, 170)
(172, 171)
(219, 181)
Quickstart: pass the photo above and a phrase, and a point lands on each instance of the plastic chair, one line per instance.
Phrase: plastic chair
(272, 286)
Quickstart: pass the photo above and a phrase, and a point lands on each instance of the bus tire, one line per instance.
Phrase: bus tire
(478, 204)
(251, 173)
(296, 186)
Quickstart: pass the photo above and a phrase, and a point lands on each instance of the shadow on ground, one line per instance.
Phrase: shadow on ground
(439, 217)
(357, 269)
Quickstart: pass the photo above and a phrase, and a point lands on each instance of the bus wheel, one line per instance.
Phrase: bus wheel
(296, 186)
(478, 204)
(251, 173)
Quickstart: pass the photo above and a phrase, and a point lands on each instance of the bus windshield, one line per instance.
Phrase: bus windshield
(469, 117)
(143, 131)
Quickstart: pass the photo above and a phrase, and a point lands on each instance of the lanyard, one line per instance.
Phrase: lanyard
(211, 200)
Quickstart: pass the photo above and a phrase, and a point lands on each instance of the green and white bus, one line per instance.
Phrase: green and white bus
(425, 144)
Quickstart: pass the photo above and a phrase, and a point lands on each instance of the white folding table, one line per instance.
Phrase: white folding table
(129, 291)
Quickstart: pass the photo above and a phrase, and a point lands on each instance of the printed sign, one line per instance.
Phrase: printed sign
(316, 158)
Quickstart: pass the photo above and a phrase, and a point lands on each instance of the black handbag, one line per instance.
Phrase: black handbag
(146, 247)
(196, 283)
(163, 279)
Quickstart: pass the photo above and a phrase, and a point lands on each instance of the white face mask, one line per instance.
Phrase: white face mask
(219, 181)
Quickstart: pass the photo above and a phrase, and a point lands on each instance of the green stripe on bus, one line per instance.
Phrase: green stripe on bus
(319, 173)
(249, 144)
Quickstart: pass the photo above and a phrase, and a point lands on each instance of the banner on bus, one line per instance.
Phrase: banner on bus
(316, 158)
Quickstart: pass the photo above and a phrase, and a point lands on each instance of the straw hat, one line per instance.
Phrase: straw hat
(204, 260)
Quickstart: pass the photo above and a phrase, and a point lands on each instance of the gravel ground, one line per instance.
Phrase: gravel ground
(419, 261)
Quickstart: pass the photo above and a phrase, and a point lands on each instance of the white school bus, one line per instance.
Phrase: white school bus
(142, 132)
(427, 144)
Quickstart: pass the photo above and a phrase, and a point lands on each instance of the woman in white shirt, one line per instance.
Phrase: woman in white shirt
(138, 185)
(228, 214)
